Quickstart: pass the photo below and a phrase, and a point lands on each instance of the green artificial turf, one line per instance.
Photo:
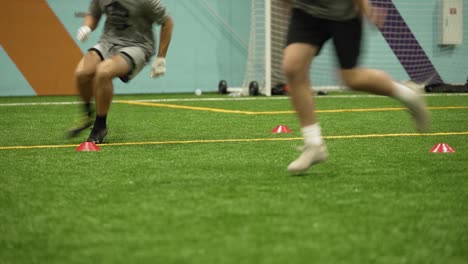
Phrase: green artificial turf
(196, 186)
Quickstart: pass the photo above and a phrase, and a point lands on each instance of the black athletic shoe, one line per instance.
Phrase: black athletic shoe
(97, 135)
(83, 123)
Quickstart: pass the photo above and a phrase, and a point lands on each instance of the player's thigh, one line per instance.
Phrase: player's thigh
(353, 77)
(115, 66)
(306, 36)
(298, 57)
(88, 63)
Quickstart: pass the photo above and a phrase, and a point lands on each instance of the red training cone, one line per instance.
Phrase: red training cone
(441, 148)
(88, 146)
(281, 129)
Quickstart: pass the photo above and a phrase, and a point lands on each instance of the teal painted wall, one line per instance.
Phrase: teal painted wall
(13, 82)
(203, 51)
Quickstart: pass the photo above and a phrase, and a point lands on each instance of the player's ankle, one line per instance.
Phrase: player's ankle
(405, 95)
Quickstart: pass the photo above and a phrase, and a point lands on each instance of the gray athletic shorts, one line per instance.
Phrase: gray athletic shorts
(135, 56)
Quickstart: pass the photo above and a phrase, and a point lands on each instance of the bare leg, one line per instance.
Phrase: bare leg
(103, 88)
(296, 64)
(368, 80)
(107, 70)
(84, 75)
(378, 82)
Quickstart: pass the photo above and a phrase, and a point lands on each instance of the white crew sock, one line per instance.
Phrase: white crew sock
(312, 134)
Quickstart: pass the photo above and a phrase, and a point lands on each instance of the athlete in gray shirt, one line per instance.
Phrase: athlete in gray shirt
(337, 10)
(124, 48)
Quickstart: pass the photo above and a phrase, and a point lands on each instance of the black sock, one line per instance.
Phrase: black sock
(100, 122)
(87, 108)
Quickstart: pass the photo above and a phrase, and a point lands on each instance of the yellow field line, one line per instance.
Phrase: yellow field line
(446, 107)
(186, 107)
(226, 111)
(239, 140)
(398, 135)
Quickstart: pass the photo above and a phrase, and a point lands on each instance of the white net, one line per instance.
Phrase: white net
(269, 20)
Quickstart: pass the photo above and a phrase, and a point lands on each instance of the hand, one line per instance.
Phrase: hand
(83, 33)
(159, 67)
(377, 16)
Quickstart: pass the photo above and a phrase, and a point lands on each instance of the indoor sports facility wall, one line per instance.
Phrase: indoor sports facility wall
(39, 51)
(202, 51)
(423, 21)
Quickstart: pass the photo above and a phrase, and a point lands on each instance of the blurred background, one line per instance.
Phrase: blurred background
(39, 50)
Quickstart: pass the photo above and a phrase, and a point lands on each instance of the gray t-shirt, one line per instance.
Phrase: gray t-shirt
(337, 10)
(130, 22)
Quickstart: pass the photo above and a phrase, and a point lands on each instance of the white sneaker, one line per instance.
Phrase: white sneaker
(311, 154)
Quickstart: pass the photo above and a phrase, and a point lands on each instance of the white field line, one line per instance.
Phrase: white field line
(38, 103)
(221, 99)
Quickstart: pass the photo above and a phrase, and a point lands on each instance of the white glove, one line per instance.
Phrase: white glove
(159, 67)
(83, 33)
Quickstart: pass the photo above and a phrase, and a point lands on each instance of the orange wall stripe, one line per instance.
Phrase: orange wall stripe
(40, 46)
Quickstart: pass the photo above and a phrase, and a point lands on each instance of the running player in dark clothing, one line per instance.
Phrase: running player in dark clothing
(124, 48)
(313, 22)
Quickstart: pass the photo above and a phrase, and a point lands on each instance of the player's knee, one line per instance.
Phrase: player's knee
(103, 71)
(83, 75)
(352, 79)
(290, 70)
(352, 82)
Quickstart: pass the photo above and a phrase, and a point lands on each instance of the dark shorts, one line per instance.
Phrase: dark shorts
(346, 35)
